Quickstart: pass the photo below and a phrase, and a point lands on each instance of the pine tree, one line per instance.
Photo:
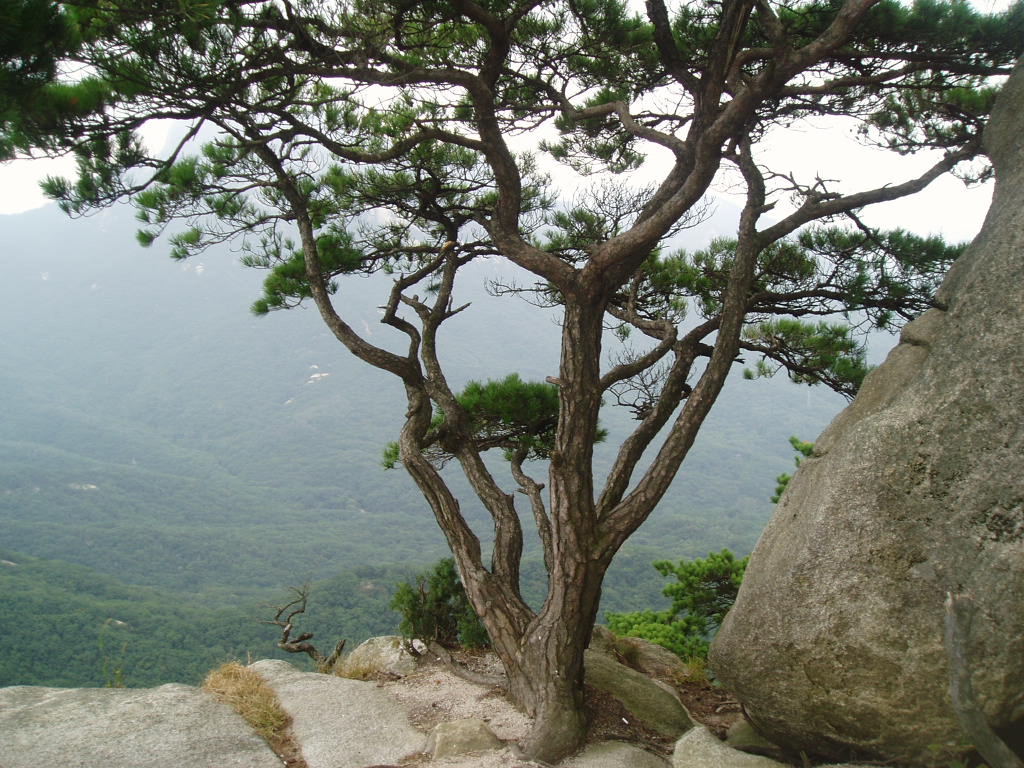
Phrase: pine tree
(702, 593)
(336, 139)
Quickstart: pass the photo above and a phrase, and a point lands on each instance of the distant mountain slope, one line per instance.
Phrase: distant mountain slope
(156, 432)
(151, 376)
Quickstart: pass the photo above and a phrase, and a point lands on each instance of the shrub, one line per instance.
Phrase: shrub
(704, 590)
(803, 450)
(438, 609)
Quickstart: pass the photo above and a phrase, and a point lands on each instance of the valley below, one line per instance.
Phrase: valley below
(170, 464)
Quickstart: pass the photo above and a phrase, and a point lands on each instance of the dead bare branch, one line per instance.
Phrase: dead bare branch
(301, 643)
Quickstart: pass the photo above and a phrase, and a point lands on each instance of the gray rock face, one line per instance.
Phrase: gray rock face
(835, 644)
(166, 727)
(650, 701)
(341, 723)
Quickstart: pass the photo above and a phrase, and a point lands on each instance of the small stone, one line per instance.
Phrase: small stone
(461, 736)
(615, 754)
(699, 748)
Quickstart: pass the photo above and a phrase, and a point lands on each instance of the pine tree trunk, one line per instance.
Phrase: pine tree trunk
(542, 654)
(546, 673)
(545, 664)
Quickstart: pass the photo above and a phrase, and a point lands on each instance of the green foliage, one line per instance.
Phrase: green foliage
(91, 629)
(511, 414)
(392, 455)
(704, 590)
(437, 609)
(384, 185)
(803, 450)
(936, 112)
(203, 470)
(871, 279)
(519, 417)
(191, 495)
(810, 352)
(113, 668)
(378, 135)
(34, 36)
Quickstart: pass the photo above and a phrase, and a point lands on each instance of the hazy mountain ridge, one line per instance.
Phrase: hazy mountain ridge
(226, 463)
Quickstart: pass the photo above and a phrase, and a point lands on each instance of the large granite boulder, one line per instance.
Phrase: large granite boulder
(166, 727)
(387, 655)
(835, 644)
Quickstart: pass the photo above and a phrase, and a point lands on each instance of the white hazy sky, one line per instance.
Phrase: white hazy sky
(20, 179)
(829, 151)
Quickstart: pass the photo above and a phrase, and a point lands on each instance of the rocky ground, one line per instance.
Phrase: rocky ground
(403, 713)
(433, 694)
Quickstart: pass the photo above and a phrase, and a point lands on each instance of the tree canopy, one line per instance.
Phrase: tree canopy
(335, 139)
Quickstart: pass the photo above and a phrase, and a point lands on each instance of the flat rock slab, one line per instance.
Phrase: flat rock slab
(461, 736)
(166, 727)
(341, 723)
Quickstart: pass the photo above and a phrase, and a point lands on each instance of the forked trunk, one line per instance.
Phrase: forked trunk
(546, 669)
(545, 664)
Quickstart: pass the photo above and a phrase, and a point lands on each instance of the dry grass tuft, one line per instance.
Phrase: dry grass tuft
(250, 696)
(695, 670)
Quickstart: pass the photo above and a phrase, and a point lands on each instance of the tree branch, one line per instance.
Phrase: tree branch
(633, 447)
(959, 611)
(508, 535)
(300, 644)
(533, 489)
(402, 367)
(816, 207)
(626, 516)
(672, 59)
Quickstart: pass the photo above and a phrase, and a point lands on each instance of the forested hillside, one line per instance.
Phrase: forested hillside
(176, 461)
(68, 625)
